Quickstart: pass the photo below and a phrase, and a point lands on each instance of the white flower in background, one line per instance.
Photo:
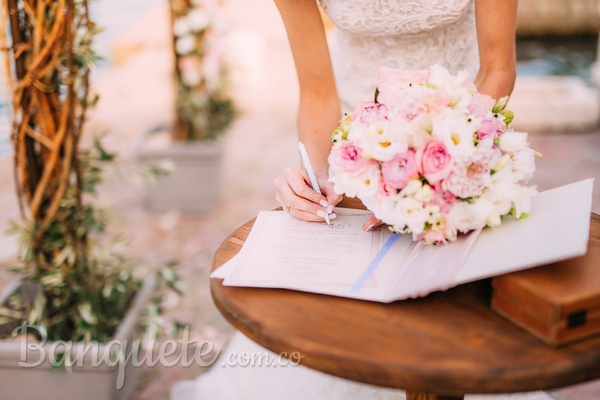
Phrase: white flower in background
(190, 70)
(185, 45)
(198, 19)
(181, 27)
(523, 163)
(512, 141)
(212, 65)
(191, 77)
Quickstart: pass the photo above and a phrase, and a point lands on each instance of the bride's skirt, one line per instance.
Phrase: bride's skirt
(289, 382)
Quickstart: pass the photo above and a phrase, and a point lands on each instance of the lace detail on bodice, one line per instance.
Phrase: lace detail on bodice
(401, 34)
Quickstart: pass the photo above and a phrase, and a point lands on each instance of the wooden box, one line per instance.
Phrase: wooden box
(559, 303)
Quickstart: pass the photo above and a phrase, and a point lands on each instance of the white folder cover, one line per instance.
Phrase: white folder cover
(282, 252)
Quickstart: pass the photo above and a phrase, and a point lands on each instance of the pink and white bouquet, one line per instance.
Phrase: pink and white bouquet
(432, 156)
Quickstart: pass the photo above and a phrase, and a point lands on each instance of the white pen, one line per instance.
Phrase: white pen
(311, 175)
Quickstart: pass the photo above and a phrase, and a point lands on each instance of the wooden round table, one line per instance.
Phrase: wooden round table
(442, 346)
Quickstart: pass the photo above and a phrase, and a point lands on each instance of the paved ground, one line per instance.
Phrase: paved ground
(136, 94)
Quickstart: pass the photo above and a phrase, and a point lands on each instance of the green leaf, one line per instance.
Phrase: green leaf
(508, 116)
(376, 95)
(500, 104)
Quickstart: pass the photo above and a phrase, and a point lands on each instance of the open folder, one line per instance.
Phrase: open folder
(283, 252)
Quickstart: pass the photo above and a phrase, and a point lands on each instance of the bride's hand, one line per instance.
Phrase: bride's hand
(371, 223)
(296, 196)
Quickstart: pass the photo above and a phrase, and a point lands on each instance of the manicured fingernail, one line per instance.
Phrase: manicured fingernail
(330, 209)
(369, 228)
(321, 213)
(332, 216)
(324, 203)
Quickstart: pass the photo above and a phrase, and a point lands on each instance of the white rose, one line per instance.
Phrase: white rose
(385, 212)
(424, 194)
(484, 210)
(343, 184)
(512, 141)
(367, 183)
(464, 219)
(185, 45)
(412, 187)
(412, 212)
(523, 163)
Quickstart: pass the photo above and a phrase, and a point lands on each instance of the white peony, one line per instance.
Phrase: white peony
(464, 217)
(440, 77)
(523, 163)
(512, 141)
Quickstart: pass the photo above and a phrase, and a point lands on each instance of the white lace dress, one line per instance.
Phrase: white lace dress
(404, 34)
(401, 34)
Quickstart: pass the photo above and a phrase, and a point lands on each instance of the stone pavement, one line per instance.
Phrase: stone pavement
(137, 94)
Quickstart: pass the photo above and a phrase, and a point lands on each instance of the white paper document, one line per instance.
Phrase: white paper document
(283, 252)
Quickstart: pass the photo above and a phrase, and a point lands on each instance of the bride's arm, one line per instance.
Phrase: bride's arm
(319, 110)
(496, 26)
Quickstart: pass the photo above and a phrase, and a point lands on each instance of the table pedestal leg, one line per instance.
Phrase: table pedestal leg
(425, 396)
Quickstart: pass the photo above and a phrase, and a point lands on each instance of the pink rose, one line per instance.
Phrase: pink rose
(390, 76)
(400, 169)
(384, 190)
(433, 161)
(443, 199)
(361, 106)
(491, 128)
(348, 157)
(373, 113)
(480, 105)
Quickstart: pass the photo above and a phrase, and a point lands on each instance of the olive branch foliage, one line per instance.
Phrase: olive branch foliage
(86, 284)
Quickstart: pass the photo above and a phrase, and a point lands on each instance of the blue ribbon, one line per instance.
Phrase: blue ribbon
(374, 264)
